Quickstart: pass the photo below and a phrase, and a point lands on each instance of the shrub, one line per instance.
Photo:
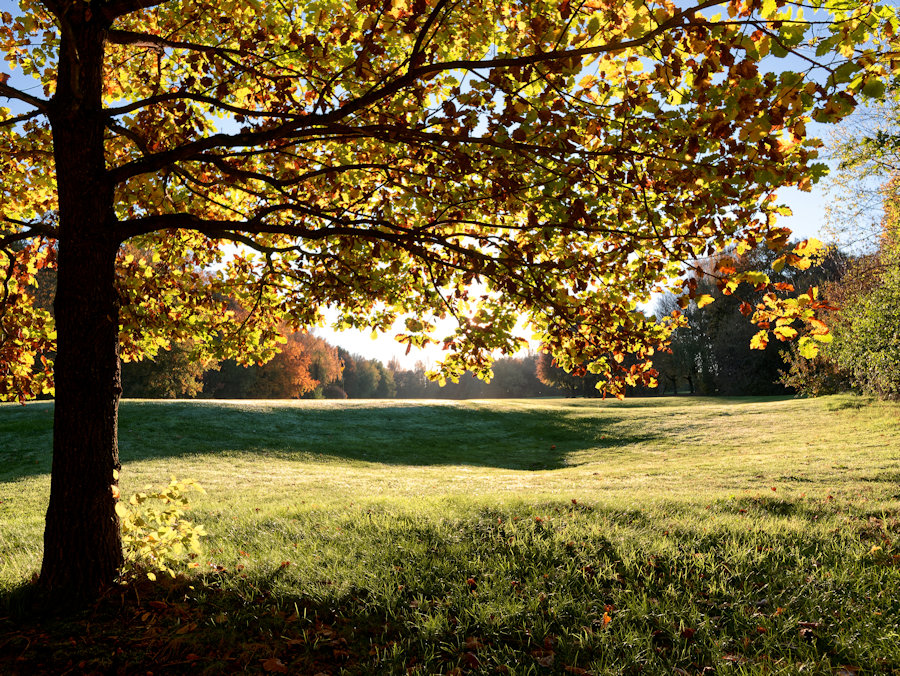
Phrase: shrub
(155, 536)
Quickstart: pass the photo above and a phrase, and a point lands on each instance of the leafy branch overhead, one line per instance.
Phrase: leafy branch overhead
(473, 160)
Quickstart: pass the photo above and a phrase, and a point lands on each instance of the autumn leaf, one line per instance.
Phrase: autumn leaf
(760, 340)
(808, 347)
(273, 665)
(785, 333)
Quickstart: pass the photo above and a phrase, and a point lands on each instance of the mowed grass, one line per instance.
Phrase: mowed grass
(650, 536)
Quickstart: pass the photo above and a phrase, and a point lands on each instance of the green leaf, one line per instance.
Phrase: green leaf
(874, 88)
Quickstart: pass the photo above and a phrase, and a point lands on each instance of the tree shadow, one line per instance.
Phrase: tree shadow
(386, 432)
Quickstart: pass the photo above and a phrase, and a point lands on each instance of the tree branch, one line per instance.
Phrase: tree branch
(285, 130)
(34, 229)
(200, 98)
(20, 118)
(13, 93)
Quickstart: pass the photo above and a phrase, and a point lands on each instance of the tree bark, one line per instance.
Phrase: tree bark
(82, 541)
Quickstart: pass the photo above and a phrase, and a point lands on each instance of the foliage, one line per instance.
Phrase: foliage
(172, 373)
(865, 351)
(155, 536)
(867, 336)
(714, 351)
(575, 382)
(430, 154)
(304, 365)
(814, 377)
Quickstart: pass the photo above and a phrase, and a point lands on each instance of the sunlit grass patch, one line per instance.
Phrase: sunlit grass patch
(552, 536)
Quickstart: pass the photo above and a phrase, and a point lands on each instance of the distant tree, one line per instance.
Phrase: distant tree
(172, 373)
(687, 363)
(324, 364)
(517, 377)
(291, 374)
(410, 383)
(387, 388)
(361, 376)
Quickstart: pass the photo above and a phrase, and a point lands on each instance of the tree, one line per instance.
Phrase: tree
(712, 353)
(866, 327)
(172, 373)
(865, 218)
(474, 160)
(304, 364)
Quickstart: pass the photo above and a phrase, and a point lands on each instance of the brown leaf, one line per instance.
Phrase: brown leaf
(471, 660)
(578, 671)
(274, 665)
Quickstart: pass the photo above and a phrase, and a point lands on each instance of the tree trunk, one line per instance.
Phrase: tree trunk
(82, 542)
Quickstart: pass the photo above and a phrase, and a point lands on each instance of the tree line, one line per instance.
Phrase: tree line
(710, 355)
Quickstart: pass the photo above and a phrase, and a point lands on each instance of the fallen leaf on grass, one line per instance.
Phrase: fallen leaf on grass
(473, 644)
(740, 659)
(578, 671)
(471, 660)
(274, 665)
(546, 660)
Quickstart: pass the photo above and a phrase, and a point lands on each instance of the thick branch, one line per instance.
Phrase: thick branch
(20, 118)
(33, 230)
(13, 93)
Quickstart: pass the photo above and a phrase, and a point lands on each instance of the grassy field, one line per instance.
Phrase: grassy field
(655, 536)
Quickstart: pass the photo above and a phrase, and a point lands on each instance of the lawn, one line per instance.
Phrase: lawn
(569, 536)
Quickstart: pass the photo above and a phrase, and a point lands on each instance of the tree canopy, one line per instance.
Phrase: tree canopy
(203, 173)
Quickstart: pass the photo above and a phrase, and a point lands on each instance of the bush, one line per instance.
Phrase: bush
(867, 336)
(155, 536)
(814, 377)
(334, 392)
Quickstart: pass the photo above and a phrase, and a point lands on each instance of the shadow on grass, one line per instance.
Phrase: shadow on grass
(419, 434)
(688, 608)
(196, 625)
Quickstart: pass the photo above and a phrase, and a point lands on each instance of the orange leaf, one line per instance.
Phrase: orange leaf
(274, 665)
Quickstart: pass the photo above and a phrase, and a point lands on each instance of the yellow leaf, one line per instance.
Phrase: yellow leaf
(121, 510)
(808, 347)
(760, 340)
(785, 332)
(809, 247)
(704, 300)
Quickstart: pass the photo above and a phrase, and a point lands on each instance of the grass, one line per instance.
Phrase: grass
(658, 536)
